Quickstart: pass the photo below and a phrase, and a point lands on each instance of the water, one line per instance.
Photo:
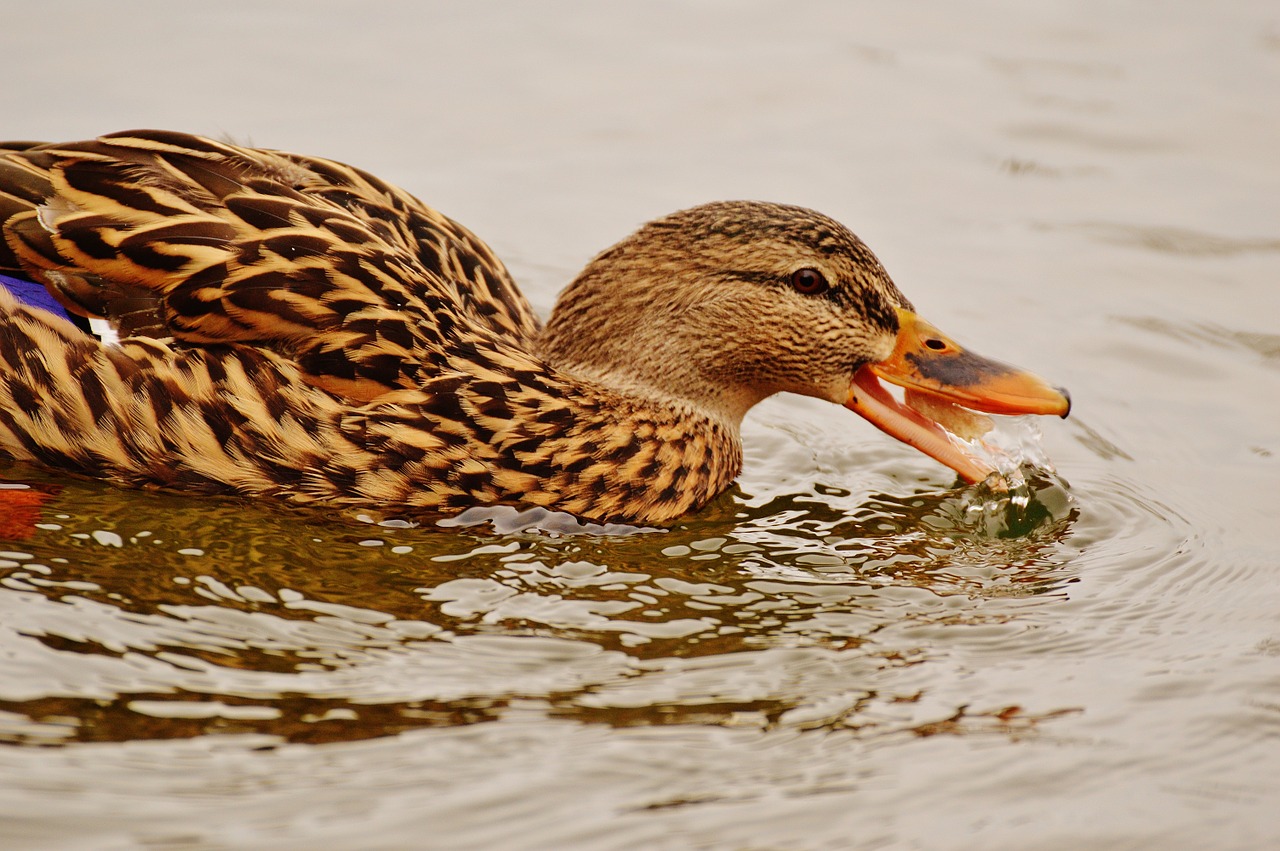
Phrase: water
(845, 651)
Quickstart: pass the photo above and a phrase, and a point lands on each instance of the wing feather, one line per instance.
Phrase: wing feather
(172, 235)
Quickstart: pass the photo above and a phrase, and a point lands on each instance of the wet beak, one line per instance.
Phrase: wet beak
(947, 383)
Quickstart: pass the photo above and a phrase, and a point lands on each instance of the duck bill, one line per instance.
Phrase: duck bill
(932, 366)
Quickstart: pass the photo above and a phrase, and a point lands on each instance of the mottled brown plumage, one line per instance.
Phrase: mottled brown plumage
(295, 327)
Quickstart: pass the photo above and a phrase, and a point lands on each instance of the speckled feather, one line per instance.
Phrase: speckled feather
(295, 327)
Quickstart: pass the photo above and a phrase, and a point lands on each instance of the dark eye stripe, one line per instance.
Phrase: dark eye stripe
(767, 279)
(875, 307)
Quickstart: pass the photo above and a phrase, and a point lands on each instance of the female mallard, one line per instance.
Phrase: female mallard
(295, 327)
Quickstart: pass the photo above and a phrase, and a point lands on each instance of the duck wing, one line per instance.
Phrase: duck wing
(178, 236)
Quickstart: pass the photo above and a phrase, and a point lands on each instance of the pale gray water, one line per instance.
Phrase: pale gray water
(842, 655)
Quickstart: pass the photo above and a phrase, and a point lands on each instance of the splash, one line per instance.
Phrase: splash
(1018, 496)
(1013, 446)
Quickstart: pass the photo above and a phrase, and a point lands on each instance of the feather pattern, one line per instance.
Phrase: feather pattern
(297, 328)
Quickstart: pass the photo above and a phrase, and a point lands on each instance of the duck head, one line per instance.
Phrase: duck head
(720, 306)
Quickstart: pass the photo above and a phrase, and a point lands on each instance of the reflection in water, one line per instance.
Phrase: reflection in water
(131, 616)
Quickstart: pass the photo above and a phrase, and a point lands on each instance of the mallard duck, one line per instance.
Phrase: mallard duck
(293, 327)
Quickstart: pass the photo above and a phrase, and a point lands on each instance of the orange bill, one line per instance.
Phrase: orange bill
(935, 369)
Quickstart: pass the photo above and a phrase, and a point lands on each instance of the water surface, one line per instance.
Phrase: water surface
(846, 651)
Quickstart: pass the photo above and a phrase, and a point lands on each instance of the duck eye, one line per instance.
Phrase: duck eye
(809, 282)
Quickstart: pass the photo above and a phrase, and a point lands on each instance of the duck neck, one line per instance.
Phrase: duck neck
(647, 361)
(678, 390)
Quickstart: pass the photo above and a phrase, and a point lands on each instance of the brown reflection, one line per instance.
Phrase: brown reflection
(205, 616)
(289, 718)
(1012, 721)
(761, 714)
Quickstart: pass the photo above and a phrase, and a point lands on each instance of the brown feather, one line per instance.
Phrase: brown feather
(295, 327)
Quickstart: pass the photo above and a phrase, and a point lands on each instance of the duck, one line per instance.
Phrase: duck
(290, 327)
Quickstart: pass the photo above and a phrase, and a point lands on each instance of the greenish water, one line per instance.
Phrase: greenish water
(845, 651)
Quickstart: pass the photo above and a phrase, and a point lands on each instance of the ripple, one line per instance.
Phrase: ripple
(505, 520)
(1175, 240)
(1263, 344)
(878, 611)
(284, 612)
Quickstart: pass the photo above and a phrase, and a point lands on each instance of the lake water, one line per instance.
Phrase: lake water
(846, 652)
